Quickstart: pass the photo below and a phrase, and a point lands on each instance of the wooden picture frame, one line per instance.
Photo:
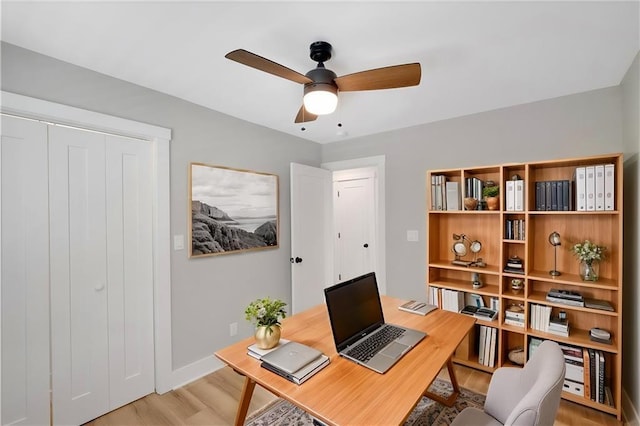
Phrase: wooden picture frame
(232, 210)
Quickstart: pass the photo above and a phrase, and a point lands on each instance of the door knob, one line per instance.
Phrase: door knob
(298, 260)
(366, 245)
(99, 287)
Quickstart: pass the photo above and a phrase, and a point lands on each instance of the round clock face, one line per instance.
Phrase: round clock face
(459, 248)
(475, 246)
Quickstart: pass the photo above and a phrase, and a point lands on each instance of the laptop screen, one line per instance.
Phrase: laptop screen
(354, 309)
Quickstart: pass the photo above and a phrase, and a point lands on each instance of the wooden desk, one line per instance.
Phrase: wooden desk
(345, 393)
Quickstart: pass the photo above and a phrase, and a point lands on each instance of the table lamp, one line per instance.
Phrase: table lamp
(554, 240)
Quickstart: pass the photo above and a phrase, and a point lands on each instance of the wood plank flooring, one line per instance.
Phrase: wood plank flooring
(213, 399)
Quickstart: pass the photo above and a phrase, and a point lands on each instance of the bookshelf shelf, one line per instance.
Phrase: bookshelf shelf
(493, 228)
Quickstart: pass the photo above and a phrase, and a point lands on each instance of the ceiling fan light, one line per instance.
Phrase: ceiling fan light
(320, 99)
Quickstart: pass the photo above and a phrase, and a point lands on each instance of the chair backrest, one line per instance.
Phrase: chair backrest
(538, 388)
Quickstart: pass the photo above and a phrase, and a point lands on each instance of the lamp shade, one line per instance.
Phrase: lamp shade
(320, 98)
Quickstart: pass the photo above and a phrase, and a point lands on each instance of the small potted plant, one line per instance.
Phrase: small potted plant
(266, 315)
(590, 255)
(491, 193)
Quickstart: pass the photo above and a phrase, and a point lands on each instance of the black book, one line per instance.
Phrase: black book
(601, 378)
(540, 196)
(547, 194)
(592, 373)
(566, 196)
(554, 195)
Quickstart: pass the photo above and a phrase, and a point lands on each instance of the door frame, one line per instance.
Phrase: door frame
(159, 137)
(378, 163)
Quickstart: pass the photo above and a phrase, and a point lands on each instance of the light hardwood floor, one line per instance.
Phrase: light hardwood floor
(213, 399)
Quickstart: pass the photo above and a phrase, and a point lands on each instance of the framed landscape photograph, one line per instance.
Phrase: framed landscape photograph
(232, 210)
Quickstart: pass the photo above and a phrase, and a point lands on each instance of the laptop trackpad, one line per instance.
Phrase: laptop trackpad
(394, 350)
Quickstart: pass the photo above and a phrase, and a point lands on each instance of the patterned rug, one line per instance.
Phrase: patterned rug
(426, 413)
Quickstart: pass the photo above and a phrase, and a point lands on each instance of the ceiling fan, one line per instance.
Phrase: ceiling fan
(321, 85)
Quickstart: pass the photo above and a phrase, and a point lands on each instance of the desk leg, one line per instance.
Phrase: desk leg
(451, 399)
(245, 400)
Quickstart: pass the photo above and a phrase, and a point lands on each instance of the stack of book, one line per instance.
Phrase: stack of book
(445, 195)
(294, 361)
(595, 187)
(574, 376)
(594, 376)
(487, 344)
(556, 195)
(559, 326)
(514, 315)
(514, 229)
(515, 195)
(565, 297)
(514, 265)
(452, 300)
(540, 316)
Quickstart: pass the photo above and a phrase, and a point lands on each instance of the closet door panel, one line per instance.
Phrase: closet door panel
(25, 268)
(79, 320)
(129, 269)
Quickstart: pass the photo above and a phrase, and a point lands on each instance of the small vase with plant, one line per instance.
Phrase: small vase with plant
(590, 255)
(266, 315)
(491, 193)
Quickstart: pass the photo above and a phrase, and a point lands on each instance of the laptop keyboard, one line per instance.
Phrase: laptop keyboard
(366, 349)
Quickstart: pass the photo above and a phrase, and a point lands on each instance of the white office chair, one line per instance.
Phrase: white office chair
(522, 396)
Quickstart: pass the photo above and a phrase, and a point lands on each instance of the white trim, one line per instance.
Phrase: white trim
(160, 137)
(196, 370)
(378, 163)
(629, 412)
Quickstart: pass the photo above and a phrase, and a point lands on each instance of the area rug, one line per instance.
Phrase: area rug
(426, 413)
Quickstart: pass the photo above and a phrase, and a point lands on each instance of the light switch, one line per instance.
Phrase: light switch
(412, 235)
(178, 242)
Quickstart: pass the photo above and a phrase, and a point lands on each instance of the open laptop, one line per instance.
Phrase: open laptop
(357, 322)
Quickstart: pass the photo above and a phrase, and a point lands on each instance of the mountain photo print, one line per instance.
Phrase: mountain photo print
(232, 210)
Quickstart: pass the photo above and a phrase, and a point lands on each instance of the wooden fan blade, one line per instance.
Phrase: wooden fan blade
(304, 116)
(263, 64)
(381, 78)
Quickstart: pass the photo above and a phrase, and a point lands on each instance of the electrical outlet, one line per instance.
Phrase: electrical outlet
(233, 329)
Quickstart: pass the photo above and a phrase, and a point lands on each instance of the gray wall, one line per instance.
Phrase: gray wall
(631, 136)
(207, 293)
(584, 124)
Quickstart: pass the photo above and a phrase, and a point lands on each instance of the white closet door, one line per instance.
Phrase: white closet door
(25, 273)
(79, 339)
(129, 269)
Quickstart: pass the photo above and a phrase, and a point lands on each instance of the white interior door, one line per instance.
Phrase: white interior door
(25, 273)
(129, 269)
(79, 317)
(311, 231)
(354, 213)
(101, 273)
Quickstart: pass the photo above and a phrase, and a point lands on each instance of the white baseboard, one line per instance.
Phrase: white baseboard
(194, 371)
(629, 412)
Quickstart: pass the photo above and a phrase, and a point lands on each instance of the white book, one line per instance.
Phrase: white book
(481, 340)
(599, 187)
(433, 192)
(453, 196)
(443, 192)
(546, 319)
(511, 195)
(581, 189)
(438, 188)
(257, 353)
(487, 346)
(609, 186)
(590, 185)
(519, 195)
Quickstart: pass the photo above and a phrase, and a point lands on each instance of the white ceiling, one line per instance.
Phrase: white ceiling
(475, 56)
